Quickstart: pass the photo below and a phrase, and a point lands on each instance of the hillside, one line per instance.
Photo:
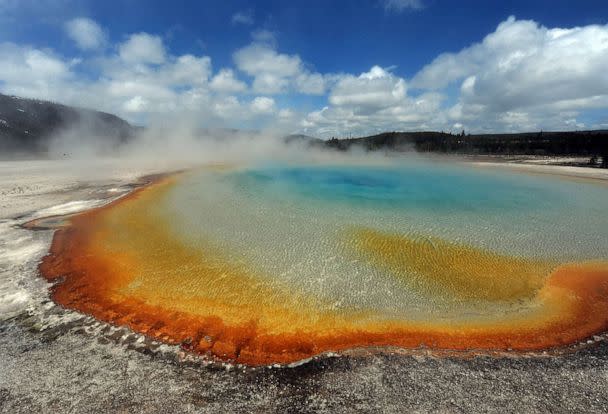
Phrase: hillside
(302, 139)
(27, 125)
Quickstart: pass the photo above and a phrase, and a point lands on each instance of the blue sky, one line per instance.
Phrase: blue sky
(321, 67)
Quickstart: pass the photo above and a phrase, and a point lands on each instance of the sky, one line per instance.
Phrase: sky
(322, 68)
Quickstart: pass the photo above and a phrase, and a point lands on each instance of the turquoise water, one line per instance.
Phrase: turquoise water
(550, 216)
(289, 221)
(418, 186)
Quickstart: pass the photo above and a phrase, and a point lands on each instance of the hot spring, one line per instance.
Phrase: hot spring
(275, 263)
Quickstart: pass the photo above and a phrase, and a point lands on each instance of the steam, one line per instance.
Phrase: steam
(170, 144)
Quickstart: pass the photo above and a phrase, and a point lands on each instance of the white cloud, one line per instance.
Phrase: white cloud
(524, 74)
(139, 92)
(401, 5)
(275, 72)
(269, 83)
(32, 72)
(372, 102)
(258, 58)
(225, 81)
(227, 107)
(139, 88)
(134, 91)
(376, 88)
(286, 114)
(263, 105)
(136, 104)
(87, 34)
(310, 83)
(523, 64)
(157, 88)
(243, 17)
(187, 70)
(140, 80)
(45, 65)
(143, 48)
(139, 84)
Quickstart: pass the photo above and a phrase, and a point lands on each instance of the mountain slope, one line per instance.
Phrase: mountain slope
(27, 125)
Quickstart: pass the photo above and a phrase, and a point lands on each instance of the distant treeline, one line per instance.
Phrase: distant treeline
(592, 144)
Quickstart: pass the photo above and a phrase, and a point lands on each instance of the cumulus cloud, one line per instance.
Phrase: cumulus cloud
(401, 5)
(259, 58)
(187, 70)
(310, 83)
(529, 62)
(523, 73)
(286, 114)
(32, 72)
(374, 89)
(243, 17)
(274, 72)
(263, 105)
(136, 104)
(225, 81)
(143, 48)
(143, 85)
(178, 84)
(87, 34)
(372, 102)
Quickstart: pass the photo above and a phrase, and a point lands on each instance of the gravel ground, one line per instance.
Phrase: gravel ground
(66, 370)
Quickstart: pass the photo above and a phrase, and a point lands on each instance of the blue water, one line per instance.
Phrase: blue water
(426, 187)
